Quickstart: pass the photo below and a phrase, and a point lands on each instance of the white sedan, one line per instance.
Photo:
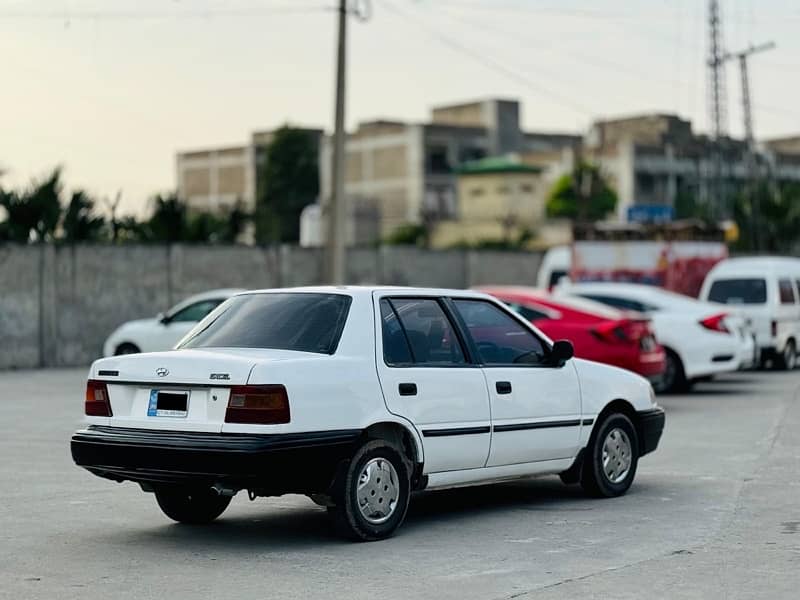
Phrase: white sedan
(356, 397)
(166, 329)
(701, 339)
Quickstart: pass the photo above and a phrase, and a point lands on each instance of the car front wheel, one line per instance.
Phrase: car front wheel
(194, 507)
(372, 492)
(611, 457)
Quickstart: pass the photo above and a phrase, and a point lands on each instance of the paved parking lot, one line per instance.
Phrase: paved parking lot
(713, 513)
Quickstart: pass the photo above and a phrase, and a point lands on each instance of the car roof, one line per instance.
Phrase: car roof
(666, 298)
(556, 301)
(755, 264)
(369, 290)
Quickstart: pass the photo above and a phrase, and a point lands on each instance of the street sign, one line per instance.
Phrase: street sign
(650, 213)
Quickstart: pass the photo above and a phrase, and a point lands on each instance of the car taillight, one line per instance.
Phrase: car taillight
(258, 404)
(624, 331)
(715, 323)
(97, 401)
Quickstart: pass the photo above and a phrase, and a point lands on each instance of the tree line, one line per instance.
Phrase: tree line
(287, 182)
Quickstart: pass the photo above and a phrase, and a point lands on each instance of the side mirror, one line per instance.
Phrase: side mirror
(561, 352)
(162, 318)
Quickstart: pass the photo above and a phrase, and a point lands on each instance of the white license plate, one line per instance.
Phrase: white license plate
(168, 403)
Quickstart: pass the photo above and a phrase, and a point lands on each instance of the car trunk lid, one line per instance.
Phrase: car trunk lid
(183, 390)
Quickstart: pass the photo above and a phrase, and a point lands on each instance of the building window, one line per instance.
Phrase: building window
(437, 161)
(526, 188)
(477, 191)
(468, 153)
(502, 189)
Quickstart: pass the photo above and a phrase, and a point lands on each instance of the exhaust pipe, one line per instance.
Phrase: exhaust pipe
(224, 490)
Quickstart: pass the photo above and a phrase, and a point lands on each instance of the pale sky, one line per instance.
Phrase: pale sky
(111, 89)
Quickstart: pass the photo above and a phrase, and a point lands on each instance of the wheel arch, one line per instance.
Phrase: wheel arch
(404, 437)
(619, 405)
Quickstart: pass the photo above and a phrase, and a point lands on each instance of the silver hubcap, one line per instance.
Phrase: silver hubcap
(617, 455)
(378, 491)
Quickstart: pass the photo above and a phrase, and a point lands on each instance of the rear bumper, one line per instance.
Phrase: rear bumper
(274, 464)
(651, 426)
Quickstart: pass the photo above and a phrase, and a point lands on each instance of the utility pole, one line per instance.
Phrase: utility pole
(337, 211)
(337, 205)
(718, 101)
(749, 136)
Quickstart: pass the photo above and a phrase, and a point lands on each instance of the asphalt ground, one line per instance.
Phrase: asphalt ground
(713, 513)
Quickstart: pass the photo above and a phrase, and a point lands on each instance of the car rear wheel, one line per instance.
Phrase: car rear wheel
(194, 507)
(674, 378)
(788, 358)
(611, 457)
(126, 348)
(372, 492)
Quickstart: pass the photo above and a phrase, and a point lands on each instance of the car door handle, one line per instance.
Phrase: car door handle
(503, 387)
(407, 389)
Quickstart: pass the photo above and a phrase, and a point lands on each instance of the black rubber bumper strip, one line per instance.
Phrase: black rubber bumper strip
(455, 431)
(156, 455)
(651, 426)
(539, 425)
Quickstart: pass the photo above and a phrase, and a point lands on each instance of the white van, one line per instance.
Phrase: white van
(767, 290)
(555, 265)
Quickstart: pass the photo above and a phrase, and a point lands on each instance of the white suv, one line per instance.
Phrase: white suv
(356, 397)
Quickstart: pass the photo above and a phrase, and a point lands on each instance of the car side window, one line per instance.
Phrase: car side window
(786, 291)
(194, 312)
(417, 331)
(621, 303)
(526, 311)
(500, 339)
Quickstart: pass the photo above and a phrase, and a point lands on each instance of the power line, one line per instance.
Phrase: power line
(491, 63)
(75, 15)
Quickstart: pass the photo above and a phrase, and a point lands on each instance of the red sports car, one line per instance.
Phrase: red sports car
(598, 332)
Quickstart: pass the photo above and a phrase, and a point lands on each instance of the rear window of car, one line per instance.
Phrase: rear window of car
(282, 321)
(738, 291)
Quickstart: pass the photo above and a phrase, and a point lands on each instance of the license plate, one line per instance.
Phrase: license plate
(168, 403)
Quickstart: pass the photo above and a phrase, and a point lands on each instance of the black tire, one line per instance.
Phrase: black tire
(595, 478)
(193, 507)
(674, 378)
(126, 348)
(347, 515)
(787, 360)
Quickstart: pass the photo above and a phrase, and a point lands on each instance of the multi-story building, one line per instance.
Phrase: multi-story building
(407, 170)
(654, 159)
(217, 179)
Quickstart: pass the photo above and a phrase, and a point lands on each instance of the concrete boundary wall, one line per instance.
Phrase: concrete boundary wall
(59, 303)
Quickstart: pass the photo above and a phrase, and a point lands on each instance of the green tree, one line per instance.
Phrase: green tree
(168, 223)
(80, 223)
(287, 183)
(408, 234)
(33, 214)
(778, 218)
(586, 184)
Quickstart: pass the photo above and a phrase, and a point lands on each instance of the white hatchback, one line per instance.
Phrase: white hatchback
(356, 397)
(164, 330)
(701, 339)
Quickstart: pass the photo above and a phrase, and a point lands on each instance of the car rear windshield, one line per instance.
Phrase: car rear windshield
(738, 291)
(281, 321)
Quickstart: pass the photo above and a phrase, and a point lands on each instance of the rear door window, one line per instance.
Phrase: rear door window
(621, 303)
(739, 291)
(786, 291)
(417, 331)
(500, 339)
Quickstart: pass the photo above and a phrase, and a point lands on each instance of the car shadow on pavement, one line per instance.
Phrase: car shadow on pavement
(299, 527)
